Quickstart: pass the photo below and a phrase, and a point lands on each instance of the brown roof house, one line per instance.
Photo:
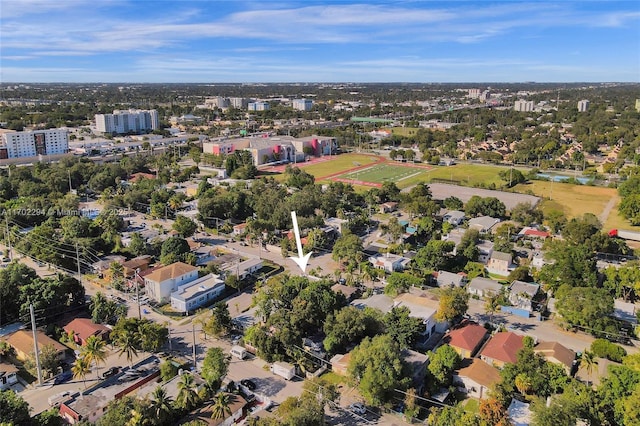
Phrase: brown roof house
(83, 328)
(204, 415)
(139, 263)
(556, 353)
(502, 348)
(163, 281)
(466, 340)
(475, 377)
(8, 375)
(22, 342)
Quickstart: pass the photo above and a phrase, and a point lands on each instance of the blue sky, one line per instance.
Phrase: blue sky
(318, 41)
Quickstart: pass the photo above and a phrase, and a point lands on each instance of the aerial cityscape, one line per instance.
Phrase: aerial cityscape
(319, 213)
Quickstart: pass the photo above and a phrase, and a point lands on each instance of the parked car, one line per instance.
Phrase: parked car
(249, 384)
(110, 372)
(358, 408)
(62, 377)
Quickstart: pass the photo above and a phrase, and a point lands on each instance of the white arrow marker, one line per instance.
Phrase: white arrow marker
(302, 259)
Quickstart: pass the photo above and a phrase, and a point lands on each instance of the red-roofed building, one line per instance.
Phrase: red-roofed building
(138, 176)
(529, 232)
(466, 340)
(502, 348)
(83, 328)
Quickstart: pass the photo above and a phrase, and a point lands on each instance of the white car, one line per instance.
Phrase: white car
(358, 408)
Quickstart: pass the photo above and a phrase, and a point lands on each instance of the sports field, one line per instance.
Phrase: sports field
(385, 172)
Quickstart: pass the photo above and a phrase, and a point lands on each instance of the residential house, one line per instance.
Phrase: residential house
(484, 224)
(8, 375)
(164, 281)
(204, 255)
(205, 416)
(243, 269)
(105, 263)
(556, 353)
(388, 207)
(389, 262)
(483, 287)
(83, 328)
(337, 225)
(485, 250)
(454, 217)
(347, 291)
(466, 340)
(139, 263)
(499, 263)
(502, 348)
(425, 308)
(416, 364)
(449, 279)
(475, 378)
(193, 294)
(22, 343)
(521, 294)
(625, 311)
(533, 234)
(239, 229)
(340, 363)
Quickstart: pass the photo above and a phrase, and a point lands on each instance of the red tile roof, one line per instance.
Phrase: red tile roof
(536, 233)
(84, 328)
(503, 346)
(467, 337)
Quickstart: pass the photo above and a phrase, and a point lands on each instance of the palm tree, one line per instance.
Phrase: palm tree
(187, 396)
(523, 383)
(491, 305)
(160, 406)
(80, 368)
(589, 363)
(128, 341)
(222, 405)
(94, 351)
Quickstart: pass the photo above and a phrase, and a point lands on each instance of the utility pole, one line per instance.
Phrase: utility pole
(35, 343)
(135, 277)
(195, 362)
(78, 262)
(8, 237)
(169, 337)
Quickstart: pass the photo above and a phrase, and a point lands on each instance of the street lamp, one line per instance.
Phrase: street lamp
(135, 276)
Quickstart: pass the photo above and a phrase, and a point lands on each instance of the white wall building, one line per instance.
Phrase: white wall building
(258, 106)
(583, 105)
(166, 280)
(32, 143)
(128, 121)
(196, 293)
(523, 106)
(302, 104)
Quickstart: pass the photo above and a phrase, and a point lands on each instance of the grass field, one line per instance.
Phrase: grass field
(338, 164)
(469, 174)
(380, 173)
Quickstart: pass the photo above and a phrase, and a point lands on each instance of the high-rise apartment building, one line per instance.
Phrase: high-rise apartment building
(523, 106)
(583, 105)
(128, 121)
(239, 103)
(474, 93)
(258, 106)
(638, 105)
(32, 143)
(302, 104)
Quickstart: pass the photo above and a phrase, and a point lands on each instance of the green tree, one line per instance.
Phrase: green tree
(184, 226)
(173, 250)
(215, 365)
(168, 370)
(94, 350)
(376, 367)
(586, 306)
(588, 363)
(221, 407)
(512, 177)
(442, 363)
(348, 326)
(187, 395)
(347, 250)
(435, 256)
(80, 368)
(402, 328)
(453, 416)
(161, 405)
(15, 410)
(401, 282)
(454, 302)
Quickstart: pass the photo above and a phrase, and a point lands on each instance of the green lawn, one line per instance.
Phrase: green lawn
(380, 173)
(337, 164)
(469, 174)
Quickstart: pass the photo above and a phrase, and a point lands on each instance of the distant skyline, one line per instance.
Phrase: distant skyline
(145, 41)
